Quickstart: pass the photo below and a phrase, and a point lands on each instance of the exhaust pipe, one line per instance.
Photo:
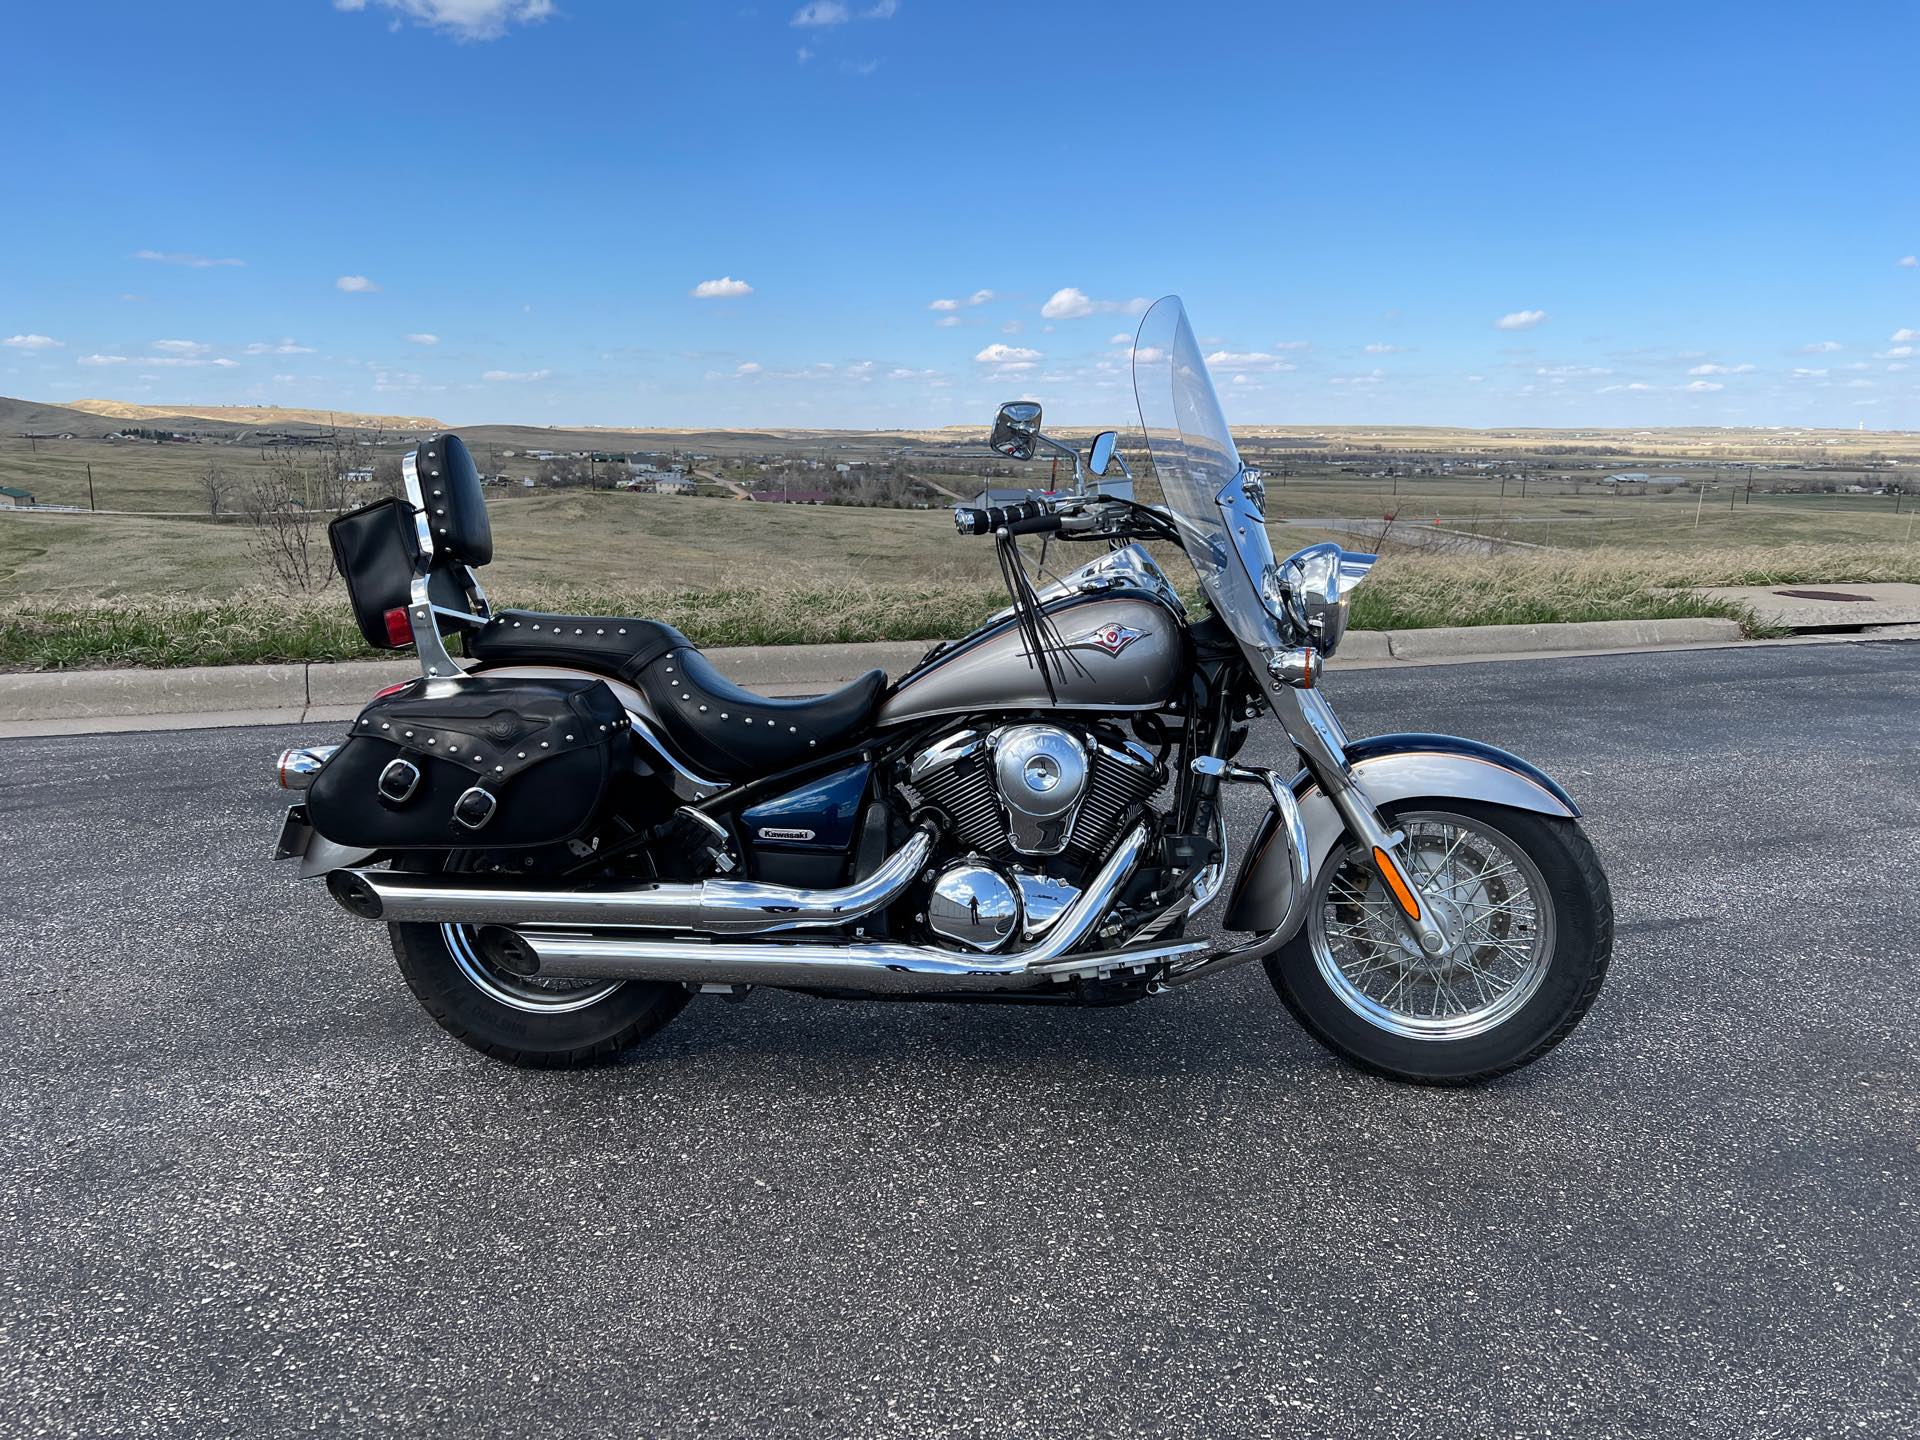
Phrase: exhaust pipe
(864, 965)
(714, 907)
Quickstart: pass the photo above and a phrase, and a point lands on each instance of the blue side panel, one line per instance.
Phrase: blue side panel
(818, 816)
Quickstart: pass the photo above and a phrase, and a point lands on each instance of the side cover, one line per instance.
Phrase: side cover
(486, 763)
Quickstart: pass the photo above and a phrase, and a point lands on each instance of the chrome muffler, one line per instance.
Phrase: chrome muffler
(714, 907)
(860, 965)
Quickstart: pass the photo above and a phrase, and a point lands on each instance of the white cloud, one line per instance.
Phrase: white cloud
(1520, 320)
(1909, 262)
(1292, 345)
(1802, 373)
(1711, 369)
(998, 354)
(516, 375)
(1123, 338)
(944, 305)
(1371, 377)
(1230, 360)
(1859, 384)
(463, 19)
(181, 347)
(421, 337)
(980, 297)
(817, 14)
(284, 347)
(803, 54)
(1572, 372)
(859, 67)
(1705, 385)
(355, 285)
(1821, 347)
(725, 288)
(948, 321)
(1012, 327)
(1904, 333)
(103, 359)
(1070, 303)
(175, 257)
(1895, 352)
(747, 367)
(1380, 349)
(32, 342)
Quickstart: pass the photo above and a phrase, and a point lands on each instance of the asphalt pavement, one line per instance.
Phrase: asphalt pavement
(248, 1188)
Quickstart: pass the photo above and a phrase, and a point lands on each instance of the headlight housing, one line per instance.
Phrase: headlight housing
(1308, 592)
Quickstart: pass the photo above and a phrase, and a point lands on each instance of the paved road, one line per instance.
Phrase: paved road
(247, 1188)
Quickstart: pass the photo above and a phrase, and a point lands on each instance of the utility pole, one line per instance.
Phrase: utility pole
(1700, 505)
(89, 485)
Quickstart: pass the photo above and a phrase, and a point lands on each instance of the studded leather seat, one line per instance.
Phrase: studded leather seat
(719, 729)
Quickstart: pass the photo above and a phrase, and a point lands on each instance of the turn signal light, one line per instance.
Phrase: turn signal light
(399, 627)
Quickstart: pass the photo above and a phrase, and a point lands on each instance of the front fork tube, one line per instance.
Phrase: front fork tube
(1310, 723)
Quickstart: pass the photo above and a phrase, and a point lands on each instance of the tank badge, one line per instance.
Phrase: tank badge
(1110, 638)
(782, 832)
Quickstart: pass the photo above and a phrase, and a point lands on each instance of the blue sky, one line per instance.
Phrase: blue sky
(1479, 214)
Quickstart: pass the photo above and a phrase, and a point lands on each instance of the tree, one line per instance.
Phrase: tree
(214, 484)
(287, 503)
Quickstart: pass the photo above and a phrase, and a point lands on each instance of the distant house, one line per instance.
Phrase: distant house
(792, 496)
(14, 498)
(674, 485)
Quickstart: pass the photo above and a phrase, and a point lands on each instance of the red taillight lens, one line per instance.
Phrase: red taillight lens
(391, 690)
(399, 627)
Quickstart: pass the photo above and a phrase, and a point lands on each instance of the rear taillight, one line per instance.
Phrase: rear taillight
(399, 627)
(391, 690)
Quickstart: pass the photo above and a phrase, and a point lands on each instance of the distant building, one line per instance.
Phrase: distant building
(14, 498)
(674, 485)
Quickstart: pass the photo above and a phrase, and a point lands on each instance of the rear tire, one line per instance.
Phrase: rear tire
(1526, 890)
(539, 1024)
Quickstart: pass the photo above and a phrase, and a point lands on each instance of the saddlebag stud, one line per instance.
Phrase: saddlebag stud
(475, 807)
(398, 781)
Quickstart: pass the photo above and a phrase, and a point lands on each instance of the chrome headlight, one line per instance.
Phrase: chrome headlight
(1308, 591)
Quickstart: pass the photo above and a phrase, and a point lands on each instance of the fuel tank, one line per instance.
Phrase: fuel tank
(1121, 650)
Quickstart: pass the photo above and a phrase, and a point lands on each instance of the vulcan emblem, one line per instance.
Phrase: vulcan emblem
(1110, 638)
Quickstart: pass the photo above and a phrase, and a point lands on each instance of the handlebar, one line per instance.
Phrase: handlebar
(984, 520)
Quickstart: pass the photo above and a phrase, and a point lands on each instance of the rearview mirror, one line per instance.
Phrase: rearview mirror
(1100, 455)
(1016, 429)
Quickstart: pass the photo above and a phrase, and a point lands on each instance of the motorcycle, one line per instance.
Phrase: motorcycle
(573, 835)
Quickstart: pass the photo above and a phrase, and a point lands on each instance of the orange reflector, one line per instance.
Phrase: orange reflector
(1390, 872)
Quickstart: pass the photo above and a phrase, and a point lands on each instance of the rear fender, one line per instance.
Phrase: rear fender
(1389, 768)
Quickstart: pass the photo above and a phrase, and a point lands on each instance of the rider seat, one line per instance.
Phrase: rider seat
(719, 729)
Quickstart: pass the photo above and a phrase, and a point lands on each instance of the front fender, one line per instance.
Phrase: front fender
(1388, 768)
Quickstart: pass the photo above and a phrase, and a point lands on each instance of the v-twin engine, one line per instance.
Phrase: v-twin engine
(1035, 790)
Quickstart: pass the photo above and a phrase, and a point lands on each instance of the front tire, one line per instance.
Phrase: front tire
(548, 1024)
(1532, 916)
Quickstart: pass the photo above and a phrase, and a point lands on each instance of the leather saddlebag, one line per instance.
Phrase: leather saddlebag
(489, 764)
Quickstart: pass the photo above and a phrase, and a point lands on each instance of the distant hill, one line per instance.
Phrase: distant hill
(32, 418)
(263, 415)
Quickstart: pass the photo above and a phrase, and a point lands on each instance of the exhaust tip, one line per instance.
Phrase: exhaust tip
(354, 894)
(501, 946)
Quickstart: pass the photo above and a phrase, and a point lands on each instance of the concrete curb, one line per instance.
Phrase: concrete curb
(58, 702)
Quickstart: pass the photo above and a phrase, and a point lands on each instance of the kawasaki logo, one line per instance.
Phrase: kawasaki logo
(1110, 638)
(776, 832)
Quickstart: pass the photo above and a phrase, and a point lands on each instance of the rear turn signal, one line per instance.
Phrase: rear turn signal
(399, 627)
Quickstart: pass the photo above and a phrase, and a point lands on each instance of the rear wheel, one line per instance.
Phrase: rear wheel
(532, 1020)
(1526, 903)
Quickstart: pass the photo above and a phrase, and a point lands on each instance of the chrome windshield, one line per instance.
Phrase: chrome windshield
(1201, 477)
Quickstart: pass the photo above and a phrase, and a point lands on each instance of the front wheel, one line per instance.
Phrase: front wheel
(1526, 904)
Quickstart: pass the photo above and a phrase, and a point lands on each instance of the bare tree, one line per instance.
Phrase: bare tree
(214, 484)
(288, 503)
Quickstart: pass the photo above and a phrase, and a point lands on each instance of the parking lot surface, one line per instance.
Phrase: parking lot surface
(247, 1187)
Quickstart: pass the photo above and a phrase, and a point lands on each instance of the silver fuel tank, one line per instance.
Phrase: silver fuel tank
(1123, 650)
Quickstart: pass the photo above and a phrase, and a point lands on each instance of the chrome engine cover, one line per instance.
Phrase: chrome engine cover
(1042, 773)
(973, 905)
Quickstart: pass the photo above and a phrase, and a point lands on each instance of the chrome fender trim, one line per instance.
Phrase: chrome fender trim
(1388, 768)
